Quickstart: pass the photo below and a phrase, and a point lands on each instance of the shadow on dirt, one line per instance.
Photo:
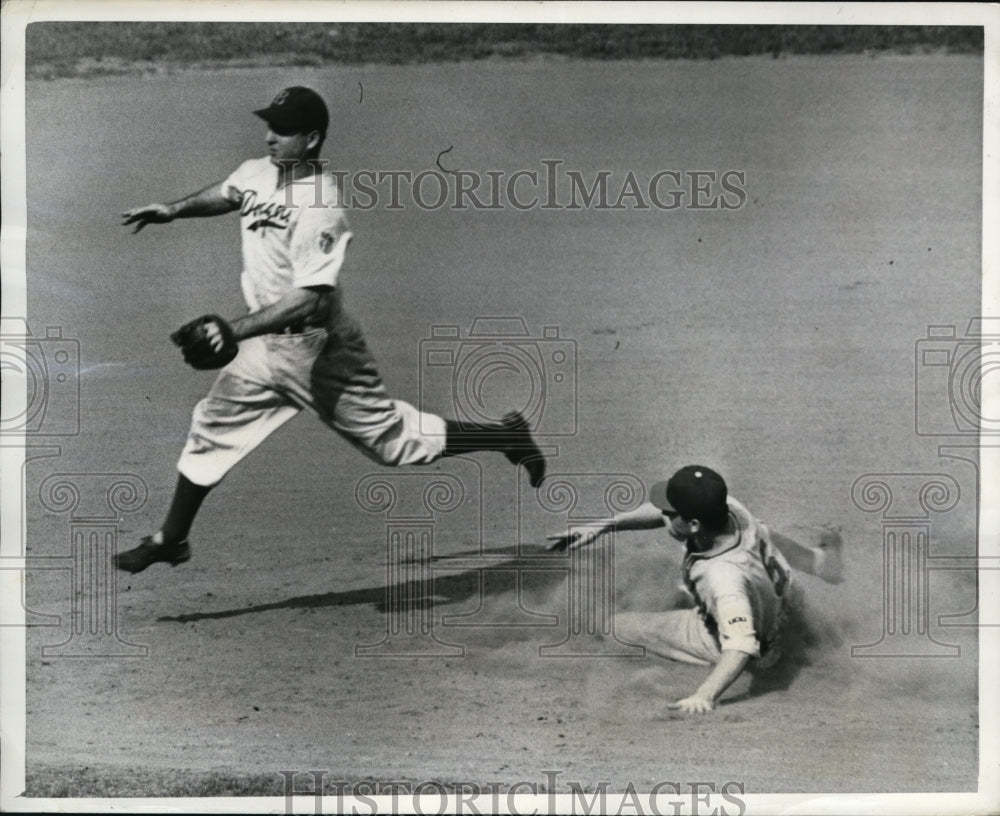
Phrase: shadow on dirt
(438, 585)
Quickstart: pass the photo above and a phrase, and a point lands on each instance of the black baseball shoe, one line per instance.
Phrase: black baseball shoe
(148, 552)
(520, 447)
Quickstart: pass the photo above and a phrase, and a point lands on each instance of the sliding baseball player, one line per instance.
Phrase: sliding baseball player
(739, 580)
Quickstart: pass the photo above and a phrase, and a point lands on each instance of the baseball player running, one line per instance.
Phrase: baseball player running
(739, 579)
(296, 347)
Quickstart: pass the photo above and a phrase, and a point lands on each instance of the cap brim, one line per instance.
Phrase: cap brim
(658, 497)
(275, 121)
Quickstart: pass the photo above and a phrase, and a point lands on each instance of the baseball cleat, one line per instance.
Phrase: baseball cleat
(148, 553)
(521, 449)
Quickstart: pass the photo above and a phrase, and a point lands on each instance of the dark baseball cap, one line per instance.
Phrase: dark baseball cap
(694, 491)
(296, 110)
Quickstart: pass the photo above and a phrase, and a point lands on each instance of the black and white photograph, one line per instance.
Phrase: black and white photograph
(500, 408)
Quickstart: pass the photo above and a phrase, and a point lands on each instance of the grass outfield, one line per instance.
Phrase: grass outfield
(108, 783)
(64, 49)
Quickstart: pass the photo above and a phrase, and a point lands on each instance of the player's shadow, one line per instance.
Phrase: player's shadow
(510, 570)
(777, 678)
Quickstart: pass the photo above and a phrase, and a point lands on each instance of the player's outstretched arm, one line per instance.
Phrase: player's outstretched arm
(729, 667)
(209, 201)
(644, 517)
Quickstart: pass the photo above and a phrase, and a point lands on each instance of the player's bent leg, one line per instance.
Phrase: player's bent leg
(226, 426)
(345, 389)
(679, 634)
(823, 559)
(233, 419)
(393, 432)
(390, 432)
(348, 394)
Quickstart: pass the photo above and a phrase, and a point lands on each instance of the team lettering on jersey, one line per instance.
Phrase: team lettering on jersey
(265, 214)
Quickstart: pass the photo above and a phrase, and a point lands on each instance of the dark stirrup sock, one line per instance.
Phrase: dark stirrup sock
(467, 437)
(511, 437)
(188, 497)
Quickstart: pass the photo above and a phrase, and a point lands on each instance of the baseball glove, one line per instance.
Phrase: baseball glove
(207, 342)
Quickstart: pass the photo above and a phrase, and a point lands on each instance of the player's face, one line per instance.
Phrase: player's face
(679, 528)
(286, 147)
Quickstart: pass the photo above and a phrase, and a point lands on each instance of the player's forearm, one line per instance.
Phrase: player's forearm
(729, 667)
(294, 306)
(645, 517)
(209, 201)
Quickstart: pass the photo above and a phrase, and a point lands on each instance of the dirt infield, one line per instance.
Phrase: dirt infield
(777, 341)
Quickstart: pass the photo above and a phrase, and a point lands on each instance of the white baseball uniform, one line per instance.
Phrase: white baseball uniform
(740, 592)
(296, 236)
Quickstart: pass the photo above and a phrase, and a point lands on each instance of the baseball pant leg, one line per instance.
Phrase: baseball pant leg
(239, 412)
(679, 634)
(388, 431)
(349, 396)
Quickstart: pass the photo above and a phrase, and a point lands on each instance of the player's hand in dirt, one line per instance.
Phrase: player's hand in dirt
(149, 214)
(694, 704)
(582, 536)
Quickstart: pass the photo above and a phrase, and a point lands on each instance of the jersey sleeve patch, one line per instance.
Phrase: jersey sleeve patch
(327, 241)
(325, 266)
(734, 617)
(318, 244)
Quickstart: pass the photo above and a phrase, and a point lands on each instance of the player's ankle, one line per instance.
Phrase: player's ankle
(161, 539)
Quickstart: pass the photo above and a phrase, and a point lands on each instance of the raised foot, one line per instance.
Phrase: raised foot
(829, 556)
(521, 448)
